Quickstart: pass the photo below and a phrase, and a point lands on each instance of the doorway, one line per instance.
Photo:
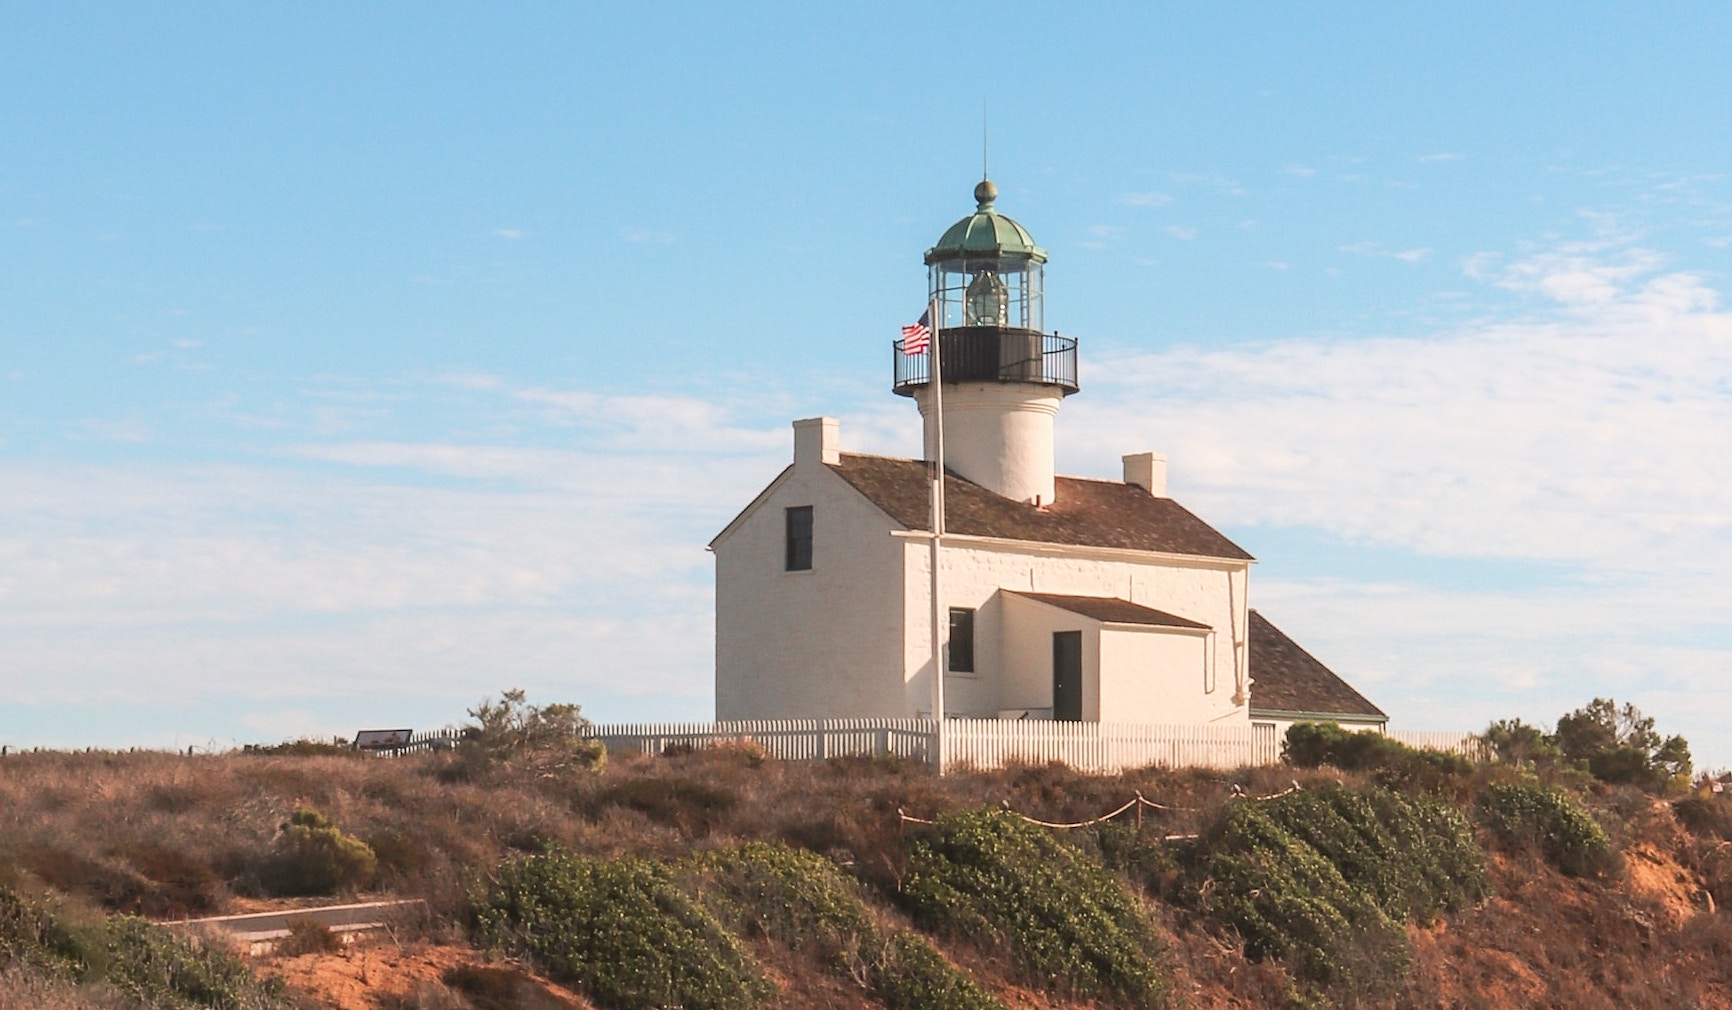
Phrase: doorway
(1067, 670)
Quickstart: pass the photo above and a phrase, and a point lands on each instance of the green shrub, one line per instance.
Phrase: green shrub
(1067, 922)
(1287, 900)
(1619, 745)
(1139, 856)
(1328, 878)
(1515, 742)
(160, 970)
(511, 727)
(1314, 744)
(802, 901)
(912, 976)
(621, 929)
(168, 972)
(1394, 764)
(31, 935)
(1415, 855)
(795, 897)
(1533, 813)
(314, 857)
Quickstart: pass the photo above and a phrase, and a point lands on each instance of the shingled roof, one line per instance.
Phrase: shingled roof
(1088, 513)
(1287, 680)
(1111, 610)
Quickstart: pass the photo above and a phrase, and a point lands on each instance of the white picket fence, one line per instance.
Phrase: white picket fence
(1107, 747)
(993, 743)
(1468, 745)
(419, 743)
(788, 739)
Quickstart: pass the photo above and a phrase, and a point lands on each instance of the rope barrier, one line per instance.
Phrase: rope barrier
(1138, 801)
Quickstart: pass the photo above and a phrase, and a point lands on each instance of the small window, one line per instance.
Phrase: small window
(961, 640)
(799, 553)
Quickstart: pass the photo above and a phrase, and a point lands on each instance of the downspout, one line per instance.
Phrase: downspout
(1240, 696)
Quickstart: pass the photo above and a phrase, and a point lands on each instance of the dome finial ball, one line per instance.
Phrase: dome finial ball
(985, 193)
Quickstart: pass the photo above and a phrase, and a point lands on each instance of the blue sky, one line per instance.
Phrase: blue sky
(354, 365)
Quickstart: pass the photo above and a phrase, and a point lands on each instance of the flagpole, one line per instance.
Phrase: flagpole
(939, 622)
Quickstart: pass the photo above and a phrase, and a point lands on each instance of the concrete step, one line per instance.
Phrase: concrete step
(261, 931)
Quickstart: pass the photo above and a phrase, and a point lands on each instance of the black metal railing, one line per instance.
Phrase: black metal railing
(992, 354)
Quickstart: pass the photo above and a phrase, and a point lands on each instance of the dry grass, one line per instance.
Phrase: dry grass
(168, 835)
(21, 989)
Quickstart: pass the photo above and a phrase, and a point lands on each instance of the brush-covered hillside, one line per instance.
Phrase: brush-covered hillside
(1581, 869)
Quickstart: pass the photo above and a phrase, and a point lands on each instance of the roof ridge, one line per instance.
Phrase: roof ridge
(1093, 480)
(953, 473)
(877, 455)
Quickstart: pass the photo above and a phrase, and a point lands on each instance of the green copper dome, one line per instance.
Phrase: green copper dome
(985, 233)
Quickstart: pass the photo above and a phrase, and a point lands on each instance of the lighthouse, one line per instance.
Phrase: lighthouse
(1004, 376)
(1051, 597)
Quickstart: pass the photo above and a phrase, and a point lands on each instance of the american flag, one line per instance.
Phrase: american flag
(917, 339)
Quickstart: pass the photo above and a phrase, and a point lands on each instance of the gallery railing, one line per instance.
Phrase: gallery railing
(992, 354)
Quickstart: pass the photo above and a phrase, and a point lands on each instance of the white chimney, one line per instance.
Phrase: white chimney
(817, 441)
(1147, 470)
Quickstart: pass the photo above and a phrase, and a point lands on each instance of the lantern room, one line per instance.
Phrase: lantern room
(984, 279)
(986, 270)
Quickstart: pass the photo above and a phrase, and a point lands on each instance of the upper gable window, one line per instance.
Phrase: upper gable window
(798, 554)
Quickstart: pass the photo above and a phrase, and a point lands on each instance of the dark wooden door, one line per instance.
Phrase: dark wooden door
(1067, 671)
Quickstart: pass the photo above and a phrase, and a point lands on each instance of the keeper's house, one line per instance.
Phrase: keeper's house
(1067, 598)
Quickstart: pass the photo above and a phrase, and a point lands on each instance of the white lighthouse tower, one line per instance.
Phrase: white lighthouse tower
(1004, 378)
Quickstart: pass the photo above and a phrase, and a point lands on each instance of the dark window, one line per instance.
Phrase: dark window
(961, 640)
(799, 555)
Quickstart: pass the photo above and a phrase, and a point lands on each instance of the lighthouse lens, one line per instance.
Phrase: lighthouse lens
(986, 304)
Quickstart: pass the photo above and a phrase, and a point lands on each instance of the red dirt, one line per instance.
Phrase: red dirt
(368, 977)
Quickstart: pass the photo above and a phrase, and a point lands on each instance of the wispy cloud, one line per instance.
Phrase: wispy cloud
(1148, 199)
(1588, 437)
(648, 236)
(509, 233)
(1101, 236)
(1427, 159)
(263, 582)
(1592, 272)
(1184, 233)
(1376, 249)
(556, 533)
(649, 423)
